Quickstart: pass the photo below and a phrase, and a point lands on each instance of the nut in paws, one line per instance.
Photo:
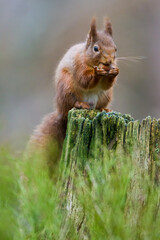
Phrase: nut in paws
(114, 71)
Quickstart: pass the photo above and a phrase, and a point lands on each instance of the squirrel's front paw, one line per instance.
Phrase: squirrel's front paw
(114, 72)
(100, 71)
(82, 105)
(106, 110)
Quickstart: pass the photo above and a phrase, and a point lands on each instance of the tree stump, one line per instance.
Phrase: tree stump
(94, 137)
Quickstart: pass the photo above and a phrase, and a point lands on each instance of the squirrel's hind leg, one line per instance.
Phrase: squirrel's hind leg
(104, 101)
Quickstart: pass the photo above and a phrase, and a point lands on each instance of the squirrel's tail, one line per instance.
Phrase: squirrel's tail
(48, 138)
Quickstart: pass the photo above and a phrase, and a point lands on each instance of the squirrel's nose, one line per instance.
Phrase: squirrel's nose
(108, 62)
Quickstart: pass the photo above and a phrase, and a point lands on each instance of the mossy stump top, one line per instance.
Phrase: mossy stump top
(90, 134)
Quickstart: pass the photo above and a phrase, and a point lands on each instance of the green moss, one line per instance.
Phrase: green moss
(89, 130)
(91, 114)
(157, 148)
(119, 156)
(91, 133)
(76, 113)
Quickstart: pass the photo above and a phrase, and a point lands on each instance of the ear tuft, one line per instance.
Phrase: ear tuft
(93, 32)
(93, 27)
(107, 26)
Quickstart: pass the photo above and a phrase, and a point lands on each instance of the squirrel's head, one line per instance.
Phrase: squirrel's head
(100, 47)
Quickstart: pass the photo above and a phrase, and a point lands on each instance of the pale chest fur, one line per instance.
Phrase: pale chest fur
(92, 97)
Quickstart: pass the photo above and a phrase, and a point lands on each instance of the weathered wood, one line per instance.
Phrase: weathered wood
(91, 134)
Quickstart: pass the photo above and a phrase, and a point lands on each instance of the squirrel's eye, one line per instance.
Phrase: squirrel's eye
(96, 48)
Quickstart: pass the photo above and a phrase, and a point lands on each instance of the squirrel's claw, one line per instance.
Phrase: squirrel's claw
(82, 105)
(106, 110)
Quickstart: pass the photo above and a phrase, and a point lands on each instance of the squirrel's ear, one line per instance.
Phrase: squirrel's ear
(92, 36)
(107, 26)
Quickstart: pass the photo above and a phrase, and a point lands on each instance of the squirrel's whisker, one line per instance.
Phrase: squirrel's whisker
(131, 58)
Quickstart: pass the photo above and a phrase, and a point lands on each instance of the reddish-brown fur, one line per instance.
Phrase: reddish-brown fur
(80, 83)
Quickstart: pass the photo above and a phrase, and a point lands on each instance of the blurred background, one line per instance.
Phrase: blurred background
(34, 35)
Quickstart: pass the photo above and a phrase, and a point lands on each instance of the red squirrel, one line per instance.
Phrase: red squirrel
(84, 79)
